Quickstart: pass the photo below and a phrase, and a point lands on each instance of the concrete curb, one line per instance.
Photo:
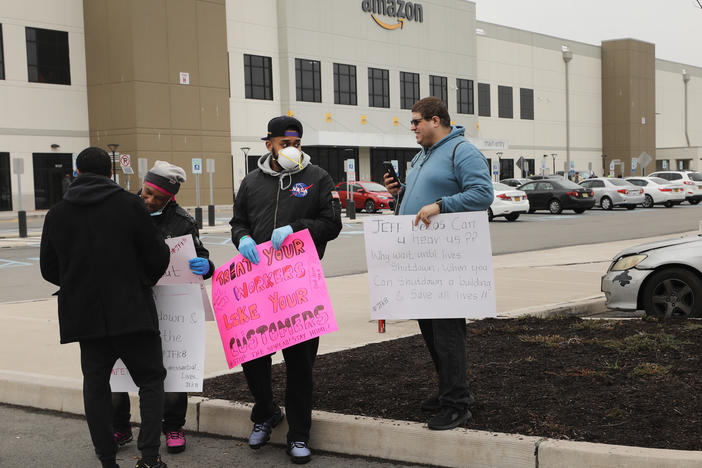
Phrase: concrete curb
(380, 438)
(579, 308)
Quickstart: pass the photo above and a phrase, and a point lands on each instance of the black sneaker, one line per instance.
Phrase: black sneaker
(448, 418)
(151, 463)
(431, 404)
(261, 432)
(123, 437)
(299, 452)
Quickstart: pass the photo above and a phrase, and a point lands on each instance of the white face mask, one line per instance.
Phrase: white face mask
(290, 158)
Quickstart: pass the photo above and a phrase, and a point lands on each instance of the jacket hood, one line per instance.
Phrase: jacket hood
(89, 189)
(456, 130)
(264, 163)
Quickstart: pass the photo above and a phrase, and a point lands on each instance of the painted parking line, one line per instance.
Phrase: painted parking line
(7, 264)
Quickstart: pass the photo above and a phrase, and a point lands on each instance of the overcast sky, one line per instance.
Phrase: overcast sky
(675, 26)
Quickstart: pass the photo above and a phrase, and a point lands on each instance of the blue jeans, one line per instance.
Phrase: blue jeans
(446, 341)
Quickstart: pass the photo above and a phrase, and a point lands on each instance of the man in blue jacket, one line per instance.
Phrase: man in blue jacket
(448, 175)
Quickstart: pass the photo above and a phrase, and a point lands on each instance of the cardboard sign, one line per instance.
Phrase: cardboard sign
(282, 301)
(182, 324)
(440, 271)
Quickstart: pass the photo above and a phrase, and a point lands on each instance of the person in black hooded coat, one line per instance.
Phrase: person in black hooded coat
(101, 248)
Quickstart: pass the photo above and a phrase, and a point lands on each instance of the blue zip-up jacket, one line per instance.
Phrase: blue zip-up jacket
(463, 184)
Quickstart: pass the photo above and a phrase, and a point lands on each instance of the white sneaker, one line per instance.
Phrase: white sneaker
(299, 452)
(261, 433)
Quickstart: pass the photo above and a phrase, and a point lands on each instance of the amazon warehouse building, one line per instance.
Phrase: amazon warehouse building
(178, 80)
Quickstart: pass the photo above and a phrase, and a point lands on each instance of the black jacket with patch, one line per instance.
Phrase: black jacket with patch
(100, 246)
(306, 203)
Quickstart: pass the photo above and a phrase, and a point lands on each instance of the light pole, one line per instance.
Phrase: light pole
(567, 57)
(499, 165)
(604, 169)
(245, 150)
(686, 80)
(543, 164)
(113, 147)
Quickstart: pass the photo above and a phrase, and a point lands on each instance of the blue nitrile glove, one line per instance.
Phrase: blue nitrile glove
(247, 247)
(199, 265)
(279, 236)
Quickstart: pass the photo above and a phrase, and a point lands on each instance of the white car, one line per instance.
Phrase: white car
(509, 202)
(658, 191)
(690, 181)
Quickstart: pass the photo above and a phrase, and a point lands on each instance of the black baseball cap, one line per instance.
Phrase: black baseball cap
(283, 126)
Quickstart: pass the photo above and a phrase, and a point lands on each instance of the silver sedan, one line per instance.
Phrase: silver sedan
(611, 192)
(662, 278)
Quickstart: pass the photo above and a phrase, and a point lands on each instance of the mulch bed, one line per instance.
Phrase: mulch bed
(626, 382)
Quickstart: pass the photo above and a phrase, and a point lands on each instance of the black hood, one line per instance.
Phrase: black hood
(89, 189)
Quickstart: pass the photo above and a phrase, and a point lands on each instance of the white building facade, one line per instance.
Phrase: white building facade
(350, 71)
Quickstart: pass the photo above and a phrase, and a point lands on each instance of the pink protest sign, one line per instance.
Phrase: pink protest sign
(282, 301)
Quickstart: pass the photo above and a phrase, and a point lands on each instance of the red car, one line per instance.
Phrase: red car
(369, 196)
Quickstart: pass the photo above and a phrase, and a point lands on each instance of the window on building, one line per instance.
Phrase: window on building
(2, 57)
(258, 79)
(504, 102)
(526, 103)
(438, 87)
(344, 84)
(409, 89)
(47, 56)
(308, 80)
(483, 100)
(464, 96)
(378, 88)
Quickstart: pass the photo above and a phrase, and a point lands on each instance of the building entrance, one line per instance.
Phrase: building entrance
(5, 183)
(331, 159)
(403, 156)
(50, 170)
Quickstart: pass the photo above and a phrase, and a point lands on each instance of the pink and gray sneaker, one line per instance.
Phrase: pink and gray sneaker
(122, 437)
(175, 441)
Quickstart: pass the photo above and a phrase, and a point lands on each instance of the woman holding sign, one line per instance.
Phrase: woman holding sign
(161, 184)
(285, 194)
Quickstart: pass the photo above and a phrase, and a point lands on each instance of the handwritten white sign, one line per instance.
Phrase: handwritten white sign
(179, 272)
(440, 271)
(182, 324)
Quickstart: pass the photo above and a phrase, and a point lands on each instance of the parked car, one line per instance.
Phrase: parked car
(550, 176)
(557, 195)
(369, 196)
(662, 278)
(690, 181)
(658, 191)
(509, 202)
(514, 182)
(611, 192)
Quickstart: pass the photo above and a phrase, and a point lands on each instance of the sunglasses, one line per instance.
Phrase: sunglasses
(415, 122)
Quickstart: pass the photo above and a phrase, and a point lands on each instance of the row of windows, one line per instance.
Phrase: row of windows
(47, 56)
(308, 85)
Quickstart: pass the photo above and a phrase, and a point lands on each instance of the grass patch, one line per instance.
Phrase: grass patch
(594, 324)
(650, 370)
(643, 341)
(550, 341)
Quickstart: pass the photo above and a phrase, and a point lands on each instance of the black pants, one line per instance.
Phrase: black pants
(175, 405)
(298, 390)
(142, 355)
(446, 341)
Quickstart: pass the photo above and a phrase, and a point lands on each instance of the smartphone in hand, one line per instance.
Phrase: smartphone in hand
(390, 169)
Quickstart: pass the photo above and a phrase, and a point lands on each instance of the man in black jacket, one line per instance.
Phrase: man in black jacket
(102, 250)
(285, 194)
(161, 184)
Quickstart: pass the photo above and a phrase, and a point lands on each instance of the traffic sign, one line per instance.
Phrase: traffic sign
(633, 164)
(645, 159)
(197, 165)
(611, 166)
(210, 165)
(572, 167)
(125, 160)
(664, 163)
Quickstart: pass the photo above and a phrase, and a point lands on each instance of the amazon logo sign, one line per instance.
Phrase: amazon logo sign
(400, 10)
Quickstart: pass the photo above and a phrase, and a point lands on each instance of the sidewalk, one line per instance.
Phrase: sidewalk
(36, 371)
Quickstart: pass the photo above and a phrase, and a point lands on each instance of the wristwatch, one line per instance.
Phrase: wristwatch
(440, 202)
